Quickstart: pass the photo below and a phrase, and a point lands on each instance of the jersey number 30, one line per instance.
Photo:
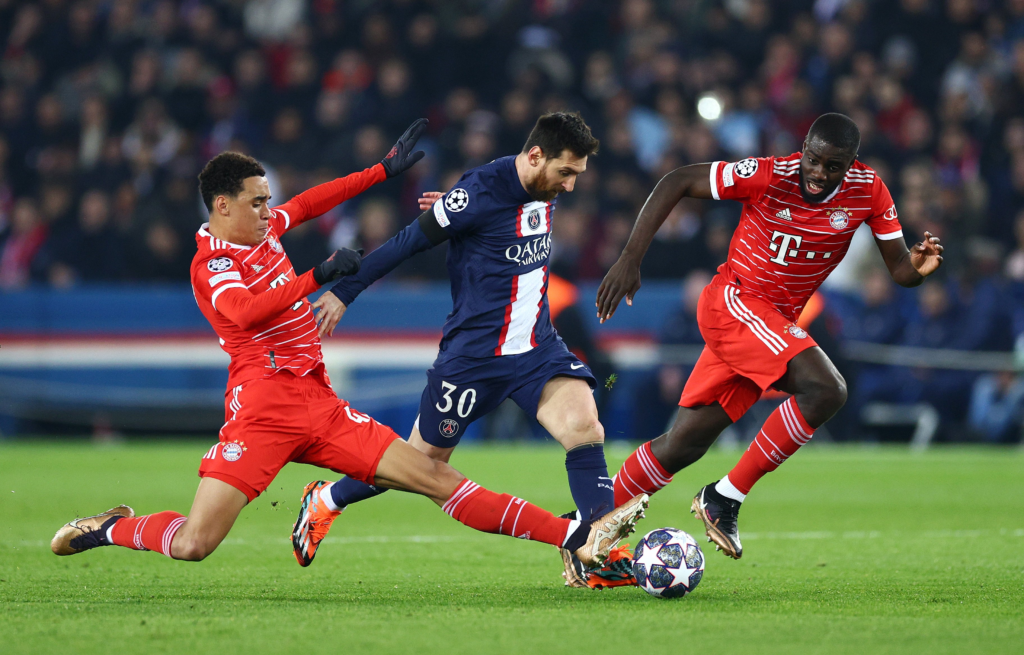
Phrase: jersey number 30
(278, 281)
(467, 395)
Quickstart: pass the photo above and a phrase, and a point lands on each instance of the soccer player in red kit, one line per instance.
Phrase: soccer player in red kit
(799, 214)
(279, 406)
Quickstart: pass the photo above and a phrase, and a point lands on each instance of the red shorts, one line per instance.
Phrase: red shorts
(748, 347)
(285, 418)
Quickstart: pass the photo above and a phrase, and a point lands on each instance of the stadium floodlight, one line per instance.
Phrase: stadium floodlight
(709, 107)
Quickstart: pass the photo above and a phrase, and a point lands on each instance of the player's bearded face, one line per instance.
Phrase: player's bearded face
(555, 175)
(822, 169)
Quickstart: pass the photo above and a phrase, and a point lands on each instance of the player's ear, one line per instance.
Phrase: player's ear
(535, 155)
(221, 205)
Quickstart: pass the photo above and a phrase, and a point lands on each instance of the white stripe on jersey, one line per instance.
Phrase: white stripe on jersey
(279, 260)
(287, 218)
(220, 290)
(525, 311)
(714, 179)
(889, 236)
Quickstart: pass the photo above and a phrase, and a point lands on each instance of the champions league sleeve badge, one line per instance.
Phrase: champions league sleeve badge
(457, 200)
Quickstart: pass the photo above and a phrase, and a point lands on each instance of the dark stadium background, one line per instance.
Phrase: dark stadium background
(108, 110)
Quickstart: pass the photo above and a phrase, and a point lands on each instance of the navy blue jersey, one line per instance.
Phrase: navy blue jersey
(498, 263)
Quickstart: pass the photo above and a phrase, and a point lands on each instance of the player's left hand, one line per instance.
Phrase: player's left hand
(401, 158)
(428, 199)
(329, 311)
(926, 256)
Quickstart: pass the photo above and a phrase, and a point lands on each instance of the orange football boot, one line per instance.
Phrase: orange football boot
(312, 524)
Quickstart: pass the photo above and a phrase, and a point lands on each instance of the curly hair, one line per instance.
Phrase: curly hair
(837, 130)
(225, 174)
(560, 131)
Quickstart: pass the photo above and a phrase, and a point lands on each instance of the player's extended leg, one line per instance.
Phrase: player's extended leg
(652, 466)
(406, 468)
(214, 510)
(819, 391)
(567, 410)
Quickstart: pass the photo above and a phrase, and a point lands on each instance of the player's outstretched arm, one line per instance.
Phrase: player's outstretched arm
(248, 310)
(623, 279)
(910, 267)
(422, 234)
(324, 197)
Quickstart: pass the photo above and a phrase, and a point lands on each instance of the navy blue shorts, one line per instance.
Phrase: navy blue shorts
(462, 389)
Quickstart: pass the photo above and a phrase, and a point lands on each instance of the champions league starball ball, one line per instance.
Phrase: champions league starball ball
(668, 563)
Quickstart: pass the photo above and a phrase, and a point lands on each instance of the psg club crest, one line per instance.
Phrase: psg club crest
(449, 428)
(533, 219)
(838, 219)
(746, 167)
(797, 331)
(457, 200)
(232, 451)
(219, 264)
(274, 244)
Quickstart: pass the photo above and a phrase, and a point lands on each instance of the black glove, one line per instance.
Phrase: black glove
(401, 159)
(343, 262)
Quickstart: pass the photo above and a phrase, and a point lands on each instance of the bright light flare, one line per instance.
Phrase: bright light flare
(709, 108)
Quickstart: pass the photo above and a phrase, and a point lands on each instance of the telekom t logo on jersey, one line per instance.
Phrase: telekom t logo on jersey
(780, 245)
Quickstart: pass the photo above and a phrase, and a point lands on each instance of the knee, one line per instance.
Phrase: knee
(584, 428)
(829, 394)
(191, 549)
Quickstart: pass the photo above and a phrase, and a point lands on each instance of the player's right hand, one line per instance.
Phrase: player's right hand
(428, 199)
(329, 312)
(622, 280)
(343, 262)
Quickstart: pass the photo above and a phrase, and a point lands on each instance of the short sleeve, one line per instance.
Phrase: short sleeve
(215, 275)
(884, 222)
(460, 211)
(746, 180)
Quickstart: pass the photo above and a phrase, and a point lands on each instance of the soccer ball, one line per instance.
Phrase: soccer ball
(668, 563)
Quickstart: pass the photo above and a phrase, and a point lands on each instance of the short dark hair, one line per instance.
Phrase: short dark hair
(560, 131)
(836, 130)
(225, 174)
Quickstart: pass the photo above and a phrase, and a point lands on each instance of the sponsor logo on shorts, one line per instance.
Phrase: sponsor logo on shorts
(449, 428)
(577, 366)
(232, 451)
(797, 331)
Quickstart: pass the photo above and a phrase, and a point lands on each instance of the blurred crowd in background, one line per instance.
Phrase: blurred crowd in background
(109, 109)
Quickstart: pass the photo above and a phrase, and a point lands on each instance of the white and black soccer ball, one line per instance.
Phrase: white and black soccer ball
(668, 563)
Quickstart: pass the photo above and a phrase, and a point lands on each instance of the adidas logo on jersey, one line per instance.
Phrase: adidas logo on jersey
(784, 215)
(257, 268)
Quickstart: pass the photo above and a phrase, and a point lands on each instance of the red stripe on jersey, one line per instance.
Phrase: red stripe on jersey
(508, 308)
(519, 233)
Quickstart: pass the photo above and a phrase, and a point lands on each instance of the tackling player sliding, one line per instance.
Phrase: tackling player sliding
(799, 214)
(279, 405)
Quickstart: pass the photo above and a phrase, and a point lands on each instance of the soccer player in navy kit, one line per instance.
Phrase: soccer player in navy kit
(498, 341)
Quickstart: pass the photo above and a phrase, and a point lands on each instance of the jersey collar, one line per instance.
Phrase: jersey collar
(204, 232)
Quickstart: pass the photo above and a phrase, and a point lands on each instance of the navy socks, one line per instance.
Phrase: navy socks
(347, 491)
(589, 483)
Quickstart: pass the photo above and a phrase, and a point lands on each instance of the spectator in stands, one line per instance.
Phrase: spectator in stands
(91, 250)
(20, 245)
(996, 412)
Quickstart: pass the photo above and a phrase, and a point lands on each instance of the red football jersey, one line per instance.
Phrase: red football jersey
(785, 247)
(252, 296)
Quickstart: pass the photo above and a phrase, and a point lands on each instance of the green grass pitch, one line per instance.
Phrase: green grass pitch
(848, 550)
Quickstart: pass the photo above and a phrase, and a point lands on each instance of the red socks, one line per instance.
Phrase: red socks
(782, 435)
(487, 511)
(640, 473)
(150, 532)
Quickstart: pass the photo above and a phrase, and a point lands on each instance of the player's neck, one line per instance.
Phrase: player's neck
(220, 231)
(521, 170)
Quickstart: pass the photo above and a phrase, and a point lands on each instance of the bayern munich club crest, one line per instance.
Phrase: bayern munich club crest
(232, 451)
(838, 219)
(533, 219)
(218, 265)
(449, 428)
(274, 244)
(797, 331)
